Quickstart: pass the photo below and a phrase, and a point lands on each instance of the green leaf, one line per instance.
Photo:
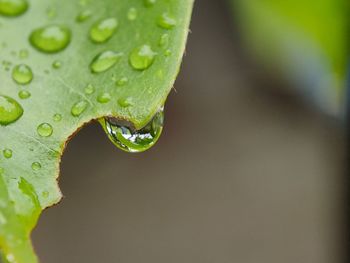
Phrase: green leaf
(63, 64)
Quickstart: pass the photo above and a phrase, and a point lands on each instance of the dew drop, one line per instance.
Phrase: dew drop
(122, 81)
(132, 14)
(167, 53)
(50, 39)
(13, 7)
(142, 57)
(166, 21)
(51, 12)
(130, 140)
(104, 61)
(104, 97)
(23, 53)
(57, 117)
(79, 107)
(125, 102)
(45, 194)
(44, 129)
(83, 16)
(149, 3)
(57, 64)
(22, 74)
(36, 166)
(103, 30)
(89, 89)
(10, 110)
(164, 40)
(7, 153)
(24, 94)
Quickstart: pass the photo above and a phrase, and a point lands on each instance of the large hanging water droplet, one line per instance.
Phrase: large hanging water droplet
(45, 129)
(13, 7)
(22, 74)
(50, 39)
(10, 110)
(79, 107)
(142, 57)
(166, 21)
(129, 140)
(103, 30)
(104, 61)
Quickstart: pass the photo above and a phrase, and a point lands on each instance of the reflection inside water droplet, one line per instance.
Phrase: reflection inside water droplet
(130, 140)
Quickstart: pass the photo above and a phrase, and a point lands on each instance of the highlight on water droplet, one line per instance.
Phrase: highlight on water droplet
(24, 94)
(13, 7)
(36, 166)
(10, 110)
(104, 61)
(57, 117)
(7, 153)
(44, 129)
(104, 97)
(130, 140)
(166, 21)
(122, 81)
(22, 74)
(89, 89)
(149, 3)
(132, 14)
(57, 64)
(79, 107)
(103, 30)
(83, 16)
(142, 57)
(50, 39)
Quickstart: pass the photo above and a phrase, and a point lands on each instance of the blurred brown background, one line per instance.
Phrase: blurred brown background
(242, 173)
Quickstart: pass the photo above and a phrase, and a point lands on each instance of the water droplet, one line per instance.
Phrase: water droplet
(7, 153)
(104, 97)
(164, 40)
(167, 53)
(127, 139)
(104, 61)
(24, 94)
(57, 64)
(166, 21)
(13, 7)
(142, 57)
(57, 117)
(45, 194)
(23, 53)
(149, 3)
(125, 102)
(83, 16)
(44, 129)
(50, 39)
(89, 89)
(36, 166)
(51, 12)
(10, 110)
(122, 81)
(132, 14)
(22, 74)
(103, 30)
(79, 107)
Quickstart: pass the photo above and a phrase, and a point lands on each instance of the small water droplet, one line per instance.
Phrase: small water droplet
(57, 117)
(7, 153)
(104, 61)
(167, 53)
(24, 94)
(142, 57)
(44, 129)
(10, 110)
(79, 107)
(122, 81)
(132, 14)
(45, 194)
(13, 7)
(83, 16)
(125, 102)
(166, 21)
(57, 64)
(164, 40)
(50, 39)
(103, 30)
(149, 3)
(36, 166)
(23, 53)
(51, 12)
(22, 74)
(104, 97)
(89, 89)
(130, 140)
